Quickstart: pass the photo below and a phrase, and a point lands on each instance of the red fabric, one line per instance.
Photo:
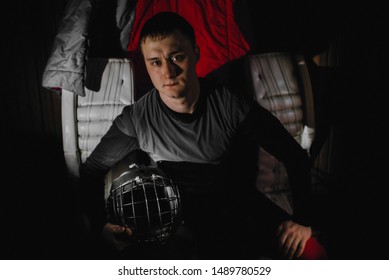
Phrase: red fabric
(217, 34)
(314, 251)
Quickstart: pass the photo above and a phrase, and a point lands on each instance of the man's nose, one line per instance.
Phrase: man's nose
(170, 69)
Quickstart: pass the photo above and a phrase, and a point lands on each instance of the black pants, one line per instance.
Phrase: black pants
(246, 230)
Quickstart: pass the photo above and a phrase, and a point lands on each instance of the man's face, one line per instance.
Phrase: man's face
(171, 64)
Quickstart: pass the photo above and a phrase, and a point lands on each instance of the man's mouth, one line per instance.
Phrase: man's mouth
(170, 84)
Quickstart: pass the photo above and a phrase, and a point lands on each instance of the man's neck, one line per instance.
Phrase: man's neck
(185, 104)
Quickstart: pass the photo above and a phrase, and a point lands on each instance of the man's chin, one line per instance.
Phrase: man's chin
(173, 92)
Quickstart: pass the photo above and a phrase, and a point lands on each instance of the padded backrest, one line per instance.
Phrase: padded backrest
(97, 110)
(280, 83)
(86, 119)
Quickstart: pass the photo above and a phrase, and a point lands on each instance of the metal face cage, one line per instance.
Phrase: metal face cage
(144, 200)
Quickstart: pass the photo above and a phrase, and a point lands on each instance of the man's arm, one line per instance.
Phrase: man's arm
(113, 147)
(266, 130)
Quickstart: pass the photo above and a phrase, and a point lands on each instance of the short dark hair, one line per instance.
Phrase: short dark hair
(164, 24)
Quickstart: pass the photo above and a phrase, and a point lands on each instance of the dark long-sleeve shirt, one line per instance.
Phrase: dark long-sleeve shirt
(196, 150)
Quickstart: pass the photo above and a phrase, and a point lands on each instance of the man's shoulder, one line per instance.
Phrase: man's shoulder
(222, 93)
(214, 89)
(142, 103)
(145, 99)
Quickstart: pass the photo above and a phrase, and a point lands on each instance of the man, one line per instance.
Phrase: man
(198, 134)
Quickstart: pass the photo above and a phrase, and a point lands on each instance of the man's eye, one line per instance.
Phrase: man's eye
(156, 63)
(178, 58)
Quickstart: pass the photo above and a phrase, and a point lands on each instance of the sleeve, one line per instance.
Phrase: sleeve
(113, 147)
(65, 66)
(125, 17)
(266, 130)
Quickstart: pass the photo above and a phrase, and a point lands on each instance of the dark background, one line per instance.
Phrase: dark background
(37, 208)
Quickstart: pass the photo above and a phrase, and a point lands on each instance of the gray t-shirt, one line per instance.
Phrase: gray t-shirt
(201, 137)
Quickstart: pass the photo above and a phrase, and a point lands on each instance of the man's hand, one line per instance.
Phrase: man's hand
(292, 238)
(117, 236)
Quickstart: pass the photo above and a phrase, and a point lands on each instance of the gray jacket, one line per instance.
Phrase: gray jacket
(66, 65)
